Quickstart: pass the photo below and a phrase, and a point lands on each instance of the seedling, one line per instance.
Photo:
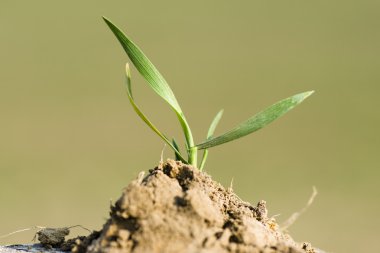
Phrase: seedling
(158, 83)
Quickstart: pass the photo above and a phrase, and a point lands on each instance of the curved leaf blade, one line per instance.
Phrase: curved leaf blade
(210, 133)
(175, 144)
(145, 119)
(155, 80)
(214, 124)
(146, 68)
(258, 121)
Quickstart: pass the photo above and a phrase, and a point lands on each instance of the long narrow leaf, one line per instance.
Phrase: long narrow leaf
(210, 133)
(258, 121)
(175, 144)
(214, 124)
(145, 119)
(155, 80)
(145, 67)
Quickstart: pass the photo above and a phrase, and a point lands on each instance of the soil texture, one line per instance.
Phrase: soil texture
(178, 209)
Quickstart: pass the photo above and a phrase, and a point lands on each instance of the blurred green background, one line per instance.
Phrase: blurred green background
(70, 141)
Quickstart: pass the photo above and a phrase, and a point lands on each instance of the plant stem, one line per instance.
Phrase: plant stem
(191, 149)
(203, 162)
(193, 156)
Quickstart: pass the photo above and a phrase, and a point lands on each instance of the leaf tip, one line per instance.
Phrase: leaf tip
(220, 114)
(127, 69)
(108, 22)
(128, 78)
(309, 93)
(302, 96)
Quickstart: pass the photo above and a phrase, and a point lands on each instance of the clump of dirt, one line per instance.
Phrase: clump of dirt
(178, 209)
(55, 238)
(52, 237)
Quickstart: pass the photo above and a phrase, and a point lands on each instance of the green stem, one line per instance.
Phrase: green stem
(203, 162)
(193, 156)
(191, 149)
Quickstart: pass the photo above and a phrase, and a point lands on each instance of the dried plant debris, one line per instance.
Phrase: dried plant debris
(177, 208)
(292, 219)
(52, 238)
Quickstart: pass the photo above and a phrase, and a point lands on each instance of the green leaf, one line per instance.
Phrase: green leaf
(210, 133)
(155, 80)
(145, 67)
(257, 122)
(175, 144)
(214, 124)
(145, 119)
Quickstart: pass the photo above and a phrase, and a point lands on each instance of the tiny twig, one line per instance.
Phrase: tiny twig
(21, 230)
(290, 221)
(162, 154)
(15, 232)
(230, 188)
(80, 226)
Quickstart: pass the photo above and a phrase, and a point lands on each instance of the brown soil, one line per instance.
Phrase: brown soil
(178, 209)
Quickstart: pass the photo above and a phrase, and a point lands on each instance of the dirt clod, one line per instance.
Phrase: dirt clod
(178, 209)
(52, 237)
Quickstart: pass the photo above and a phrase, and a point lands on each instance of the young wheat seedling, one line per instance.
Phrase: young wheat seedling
(158, 83)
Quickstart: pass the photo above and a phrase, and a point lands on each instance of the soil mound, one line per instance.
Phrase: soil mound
(178, 209)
